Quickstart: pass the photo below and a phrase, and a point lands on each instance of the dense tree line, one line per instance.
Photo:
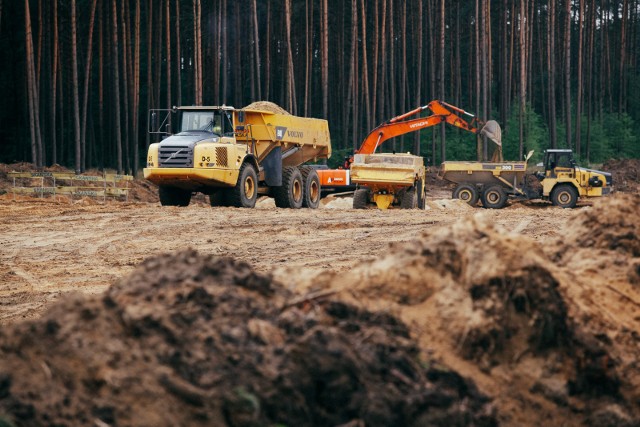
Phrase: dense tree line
(79, 76)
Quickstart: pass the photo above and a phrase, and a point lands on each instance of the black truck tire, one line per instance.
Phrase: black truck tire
(290, 193)
(173, 196)
(311, 187)
(245, 192)
(466, 192)
(565, 196)
(494, 197)
(361, 198)
(409, 199)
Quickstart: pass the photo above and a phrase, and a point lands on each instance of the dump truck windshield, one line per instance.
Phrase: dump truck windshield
(203, 121)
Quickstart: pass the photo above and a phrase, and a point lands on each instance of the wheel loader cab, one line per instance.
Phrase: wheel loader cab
(558, 162)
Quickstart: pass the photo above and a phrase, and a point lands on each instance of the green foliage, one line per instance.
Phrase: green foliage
(536, 136)
(613, 137)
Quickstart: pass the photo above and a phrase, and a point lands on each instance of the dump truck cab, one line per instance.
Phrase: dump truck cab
(563, 181)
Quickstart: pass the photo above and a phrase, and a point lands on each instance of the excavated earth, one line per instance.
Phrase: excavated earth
(131, 314)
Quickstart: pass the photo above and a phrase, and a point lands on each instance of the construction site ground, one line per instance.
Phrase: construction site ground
(378, 260)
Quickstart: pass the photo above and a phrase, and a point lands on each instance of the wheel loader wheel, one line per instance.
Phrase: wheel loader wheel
(565, 196)
(172, 196)
(494, 197)
(466, 192)
(361, 198)
(291, 192)
(409, 199)
(245, 193)
(311, 187)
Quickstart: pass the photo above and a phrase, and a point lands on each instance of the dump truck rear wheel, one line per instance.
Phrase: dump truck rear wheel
(421, 194)
(245, 193)
(409, 199)
(172, 196)
(466, 192)
(565, 196)
(494, 197)
(290, 193)
(361, 198)
(311, 190)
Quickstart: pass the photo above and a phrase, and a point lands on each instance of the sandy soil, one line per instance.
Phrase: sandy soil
(50, 248)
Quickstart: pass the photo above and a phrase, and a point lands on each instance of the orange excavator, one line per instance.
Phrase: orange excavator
(340, 180)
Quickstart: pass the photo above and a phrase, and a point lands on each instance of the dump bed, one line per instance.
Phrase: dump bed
(301, 139)
(386, 169)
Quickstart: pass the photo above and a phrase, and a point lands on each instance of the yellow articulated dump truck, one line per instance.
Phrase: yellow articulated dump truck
(233, 155)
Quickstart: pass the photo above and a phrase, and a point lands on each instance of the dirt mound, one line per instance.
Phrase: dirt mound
(533, 328)
(194, 340)
(267, 106)
(625, 174)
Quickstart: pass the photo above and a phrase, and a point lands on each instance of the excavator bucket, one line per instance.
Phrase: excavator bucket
(492, 131)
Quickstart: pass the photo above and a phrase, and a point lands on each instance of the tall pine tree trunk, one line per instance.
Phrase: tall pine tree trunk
(579, 85)
(76, 100)
(567, 70)
(116, 84)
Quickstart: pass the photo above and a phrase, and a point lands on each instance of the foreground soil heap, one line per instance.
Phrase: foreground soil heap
(194, 340)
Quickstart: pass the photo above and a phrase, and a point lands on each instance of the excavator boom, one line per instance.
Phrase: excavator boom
(399, 125)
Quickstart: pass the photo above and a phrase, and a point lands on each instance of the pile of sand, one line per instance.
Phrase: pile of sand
(550, 333)
(267, 106)
(195, 340)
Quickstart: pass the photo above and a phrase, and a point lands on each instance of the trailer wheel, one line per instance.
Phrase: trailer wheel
(494, 197)
(466, 192)
(422, 196)
(565, 196)
(291, 192)
(311, 187)
(409, 199)
(245, 193)
(172, 196)
(361, 198)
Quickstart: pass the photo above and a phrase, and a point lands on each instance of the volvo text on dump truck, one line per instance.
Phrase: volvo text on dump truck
(232, 155)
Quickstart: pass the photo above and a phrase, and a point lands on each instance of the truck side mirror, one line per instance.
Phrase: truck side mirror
(154, 121)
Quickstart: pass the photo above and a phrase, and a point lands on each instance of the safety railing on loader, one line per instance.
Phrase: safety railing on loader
(69, 184)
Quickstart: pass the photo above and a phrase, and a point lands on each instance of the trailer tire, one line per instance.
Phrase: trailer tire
(172, 196)
(361, 198)
(245, 193)
(311, 187)
(422, 196)
(409, 199)
(494, 197)
(565, 196)
(466, 192)
(290, 193)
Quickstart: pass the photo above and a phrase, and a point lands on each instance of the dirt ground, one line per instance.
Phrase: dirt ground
(535, 306)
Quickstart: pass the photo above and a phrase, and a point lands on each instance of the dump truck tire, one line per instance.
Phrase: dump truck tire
(290, 193)
(422, 196)
(245, 193)
(466, 192)
(494, 197)
(361, 198)
(219, 198)
(565, 196)
(172, 196)
(409, 199)
(311, 187)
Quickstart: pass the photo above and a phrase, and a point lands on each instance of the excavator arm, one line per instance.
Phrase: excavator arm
(442, 113)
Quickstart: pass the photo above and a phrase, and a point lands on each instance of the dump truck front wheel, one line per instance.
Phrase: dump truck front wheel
(361, 198)
(245, 193)
(467, 193)
(172, 196)
(494, 197)
(311, 187)
(291, 192)
(565, 196)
